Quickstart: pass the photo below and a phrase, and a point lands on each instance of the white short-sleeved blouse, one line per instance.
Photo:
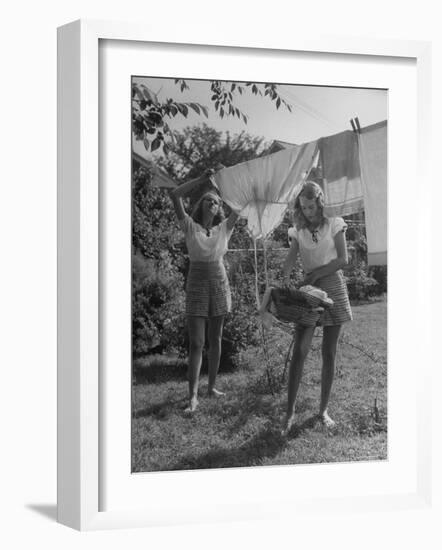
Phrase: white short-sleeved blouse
(318, 249)
(201, 246)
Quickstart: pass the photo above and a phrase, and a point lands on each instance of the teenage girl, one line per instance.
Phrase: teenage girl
(208, 297)
(320, 242)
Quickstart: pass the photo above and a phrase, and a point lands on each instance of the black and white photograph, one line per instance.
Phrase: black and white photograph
(259, 274)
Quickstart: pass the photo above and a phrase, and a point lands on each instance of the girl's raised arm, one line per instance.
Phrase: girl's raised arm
(177, 204)
(187, 187)
(233, 216)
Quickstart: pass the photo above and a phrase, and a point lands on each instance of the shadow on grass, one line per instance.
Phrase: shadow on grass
(159, 373)
(250, 405)
(308, 424)
(266, 444)
(161, 411)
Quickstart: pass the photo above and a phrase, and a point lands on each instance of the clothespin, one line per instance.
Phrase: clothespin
(358, 125)
(353, 125)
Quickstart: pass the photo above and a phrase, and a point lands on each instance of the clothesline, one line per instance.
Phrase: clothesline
(353, 174)
(280, 249)
(261, 189)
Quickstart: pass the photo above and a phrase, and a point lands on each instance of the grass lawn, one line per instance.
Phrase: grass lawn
(243, 428)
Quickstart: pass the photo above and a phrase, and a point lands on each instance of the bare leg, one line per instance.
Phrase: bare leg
(215, 332)
(303, 341)
(197, 326)
(329, 346)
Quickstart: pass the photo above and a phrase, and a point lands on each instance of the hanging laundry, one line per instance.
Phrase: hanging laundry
(341, 174)
(261, 189)
(373, 159)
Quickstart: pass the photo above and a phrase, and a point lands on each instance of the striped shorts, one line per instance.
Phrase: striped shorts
(207, 290)
(336, 289)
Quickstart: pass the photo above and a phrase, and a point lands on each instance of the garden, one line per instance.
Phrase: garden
(243, 428)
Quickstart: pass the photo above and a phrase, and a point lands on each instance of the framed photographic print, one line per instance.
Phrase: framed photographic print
(226, 211)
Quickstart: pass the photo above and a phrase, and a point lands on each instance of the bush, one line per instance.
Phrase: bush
(240, 328)
(155, 226)
(380, 274)
(360, 285)
(158, 321)
(363, 282)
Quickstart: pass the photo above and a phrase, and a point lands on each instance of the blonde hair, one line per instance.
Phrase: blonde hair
(310, 190)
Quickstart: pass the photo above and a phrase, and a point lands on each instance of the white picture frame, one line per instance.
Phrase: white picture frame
(80, 293)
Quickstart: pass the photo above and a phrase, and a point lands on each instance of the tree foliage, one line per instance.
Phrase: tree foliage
(154, 225)
(157, 269)
(198, 148)
(158, 321)
(151, 117)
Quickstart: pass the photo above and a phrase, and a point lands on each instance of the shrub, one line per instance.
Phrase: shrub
(360, 285)
(363, 282)
(380, 274)
(240, 328)
(155, 226)
(158, 322)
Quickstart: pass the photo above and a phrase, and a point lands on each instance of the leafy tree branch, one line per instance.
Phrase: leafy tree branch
(150, 116)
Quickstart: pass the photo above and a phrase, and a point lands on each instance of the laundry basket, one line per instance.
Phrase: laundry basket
(297, 306)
